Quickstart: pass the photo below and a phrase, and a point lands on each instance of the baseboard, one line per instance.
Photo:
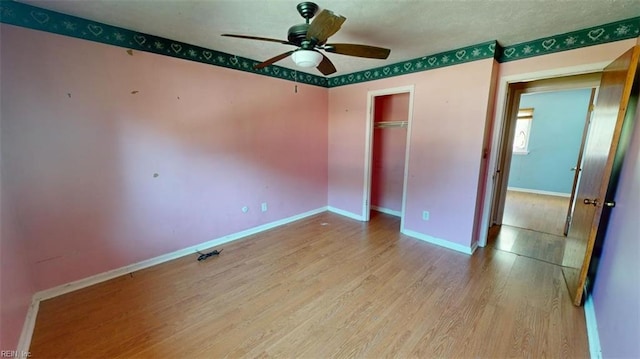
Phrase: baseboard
(387, 211)
(440, 242)
(536, 191)
(474, 246)
(345, 213)
(592, 328)
(102, 277)
(27, 329)
(30, 320)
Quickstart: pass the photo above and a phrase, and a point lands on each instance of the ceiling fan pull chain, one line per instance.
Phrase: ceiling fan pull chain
(295, 79)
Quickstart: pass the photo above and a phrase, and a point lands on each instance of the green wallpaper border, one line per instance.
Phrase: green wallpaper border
(481, 51)
(615, 31)
(32, 17)
(19, 14)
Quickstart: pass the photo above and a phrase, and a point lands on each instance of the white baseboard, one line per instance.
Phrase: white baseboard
(30, 320)
(592, 328)
(387, 211)
(102, 277)
(440, 242)
(27, 329)
(536, 191)
(345, 213)
(474, 246)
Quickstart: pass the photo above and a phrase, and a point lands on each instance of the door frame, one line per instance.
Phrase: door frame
(515, 91)
(368, 148)
(503, 165)
(498, 128)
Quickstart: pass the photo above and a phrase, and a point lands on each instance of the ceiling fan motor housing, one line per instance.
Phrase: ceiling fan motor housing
(298, 34)
(307, 9)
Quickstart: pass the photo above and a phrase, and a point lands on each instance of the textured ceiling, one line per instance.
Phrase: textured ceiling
(409, 28)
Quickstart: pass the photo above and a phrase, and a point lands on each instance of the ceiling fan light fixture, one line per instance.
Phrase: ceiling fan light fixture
(306, 58)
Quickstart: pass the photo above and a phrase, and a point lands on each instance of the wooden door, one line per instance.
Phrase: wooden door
(599, 155)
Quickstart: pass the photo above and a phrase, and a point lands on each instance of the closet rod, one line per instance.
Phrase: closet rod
(390, 124)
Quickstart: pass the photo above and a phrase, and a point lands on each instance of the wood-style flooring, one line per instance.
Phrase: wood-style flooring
(532, 226)
(537, 245)
(323, 287)
(538, 212)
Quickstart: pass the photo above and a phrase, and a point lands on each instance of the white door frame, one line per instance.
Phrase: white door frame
(368, 148)
(498, 126)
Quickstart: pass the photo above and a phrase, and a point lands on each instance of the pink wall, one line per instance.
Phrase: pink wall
(450, 113)
(389, 148)
(16, 283)
(347, 116)
(83, 151)
(567, 59)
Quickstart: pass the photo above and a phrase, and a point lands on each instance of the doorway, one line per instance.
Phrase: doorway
(541, 153)
(548, 143)
(609, 130)
(387, 151)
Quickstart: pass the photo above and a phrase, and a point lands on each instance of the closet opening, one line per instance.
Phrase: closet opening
(388, 135)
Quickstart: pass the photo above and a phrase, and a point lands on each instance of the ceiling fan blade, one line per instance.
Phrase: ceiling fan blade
(325, 24)
(259, 38)
(273, 60)
(326, 66)
(371, 52)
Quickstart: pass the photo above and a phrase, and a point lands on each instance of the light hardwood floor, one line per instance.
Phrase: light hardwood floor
(537, 212)
(322, 287)
(537, 245)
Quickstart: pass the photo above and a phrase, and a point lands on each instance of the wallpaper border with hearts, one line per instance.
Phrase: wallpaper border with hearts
(448, 58)
(615, 31)
(33, 17)
(36, 18)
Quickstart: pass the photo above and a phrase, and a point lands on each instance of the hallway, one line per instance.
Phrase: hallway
(537, 212)
(529, 243)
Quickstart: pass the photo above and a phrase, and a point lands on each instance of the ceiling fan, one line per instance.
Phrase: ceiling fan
(311, 37)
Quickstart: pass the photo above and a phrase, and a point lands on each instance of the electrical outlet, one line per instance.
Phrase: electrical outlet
(264, 206)
(425, 215)
(245, 209)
